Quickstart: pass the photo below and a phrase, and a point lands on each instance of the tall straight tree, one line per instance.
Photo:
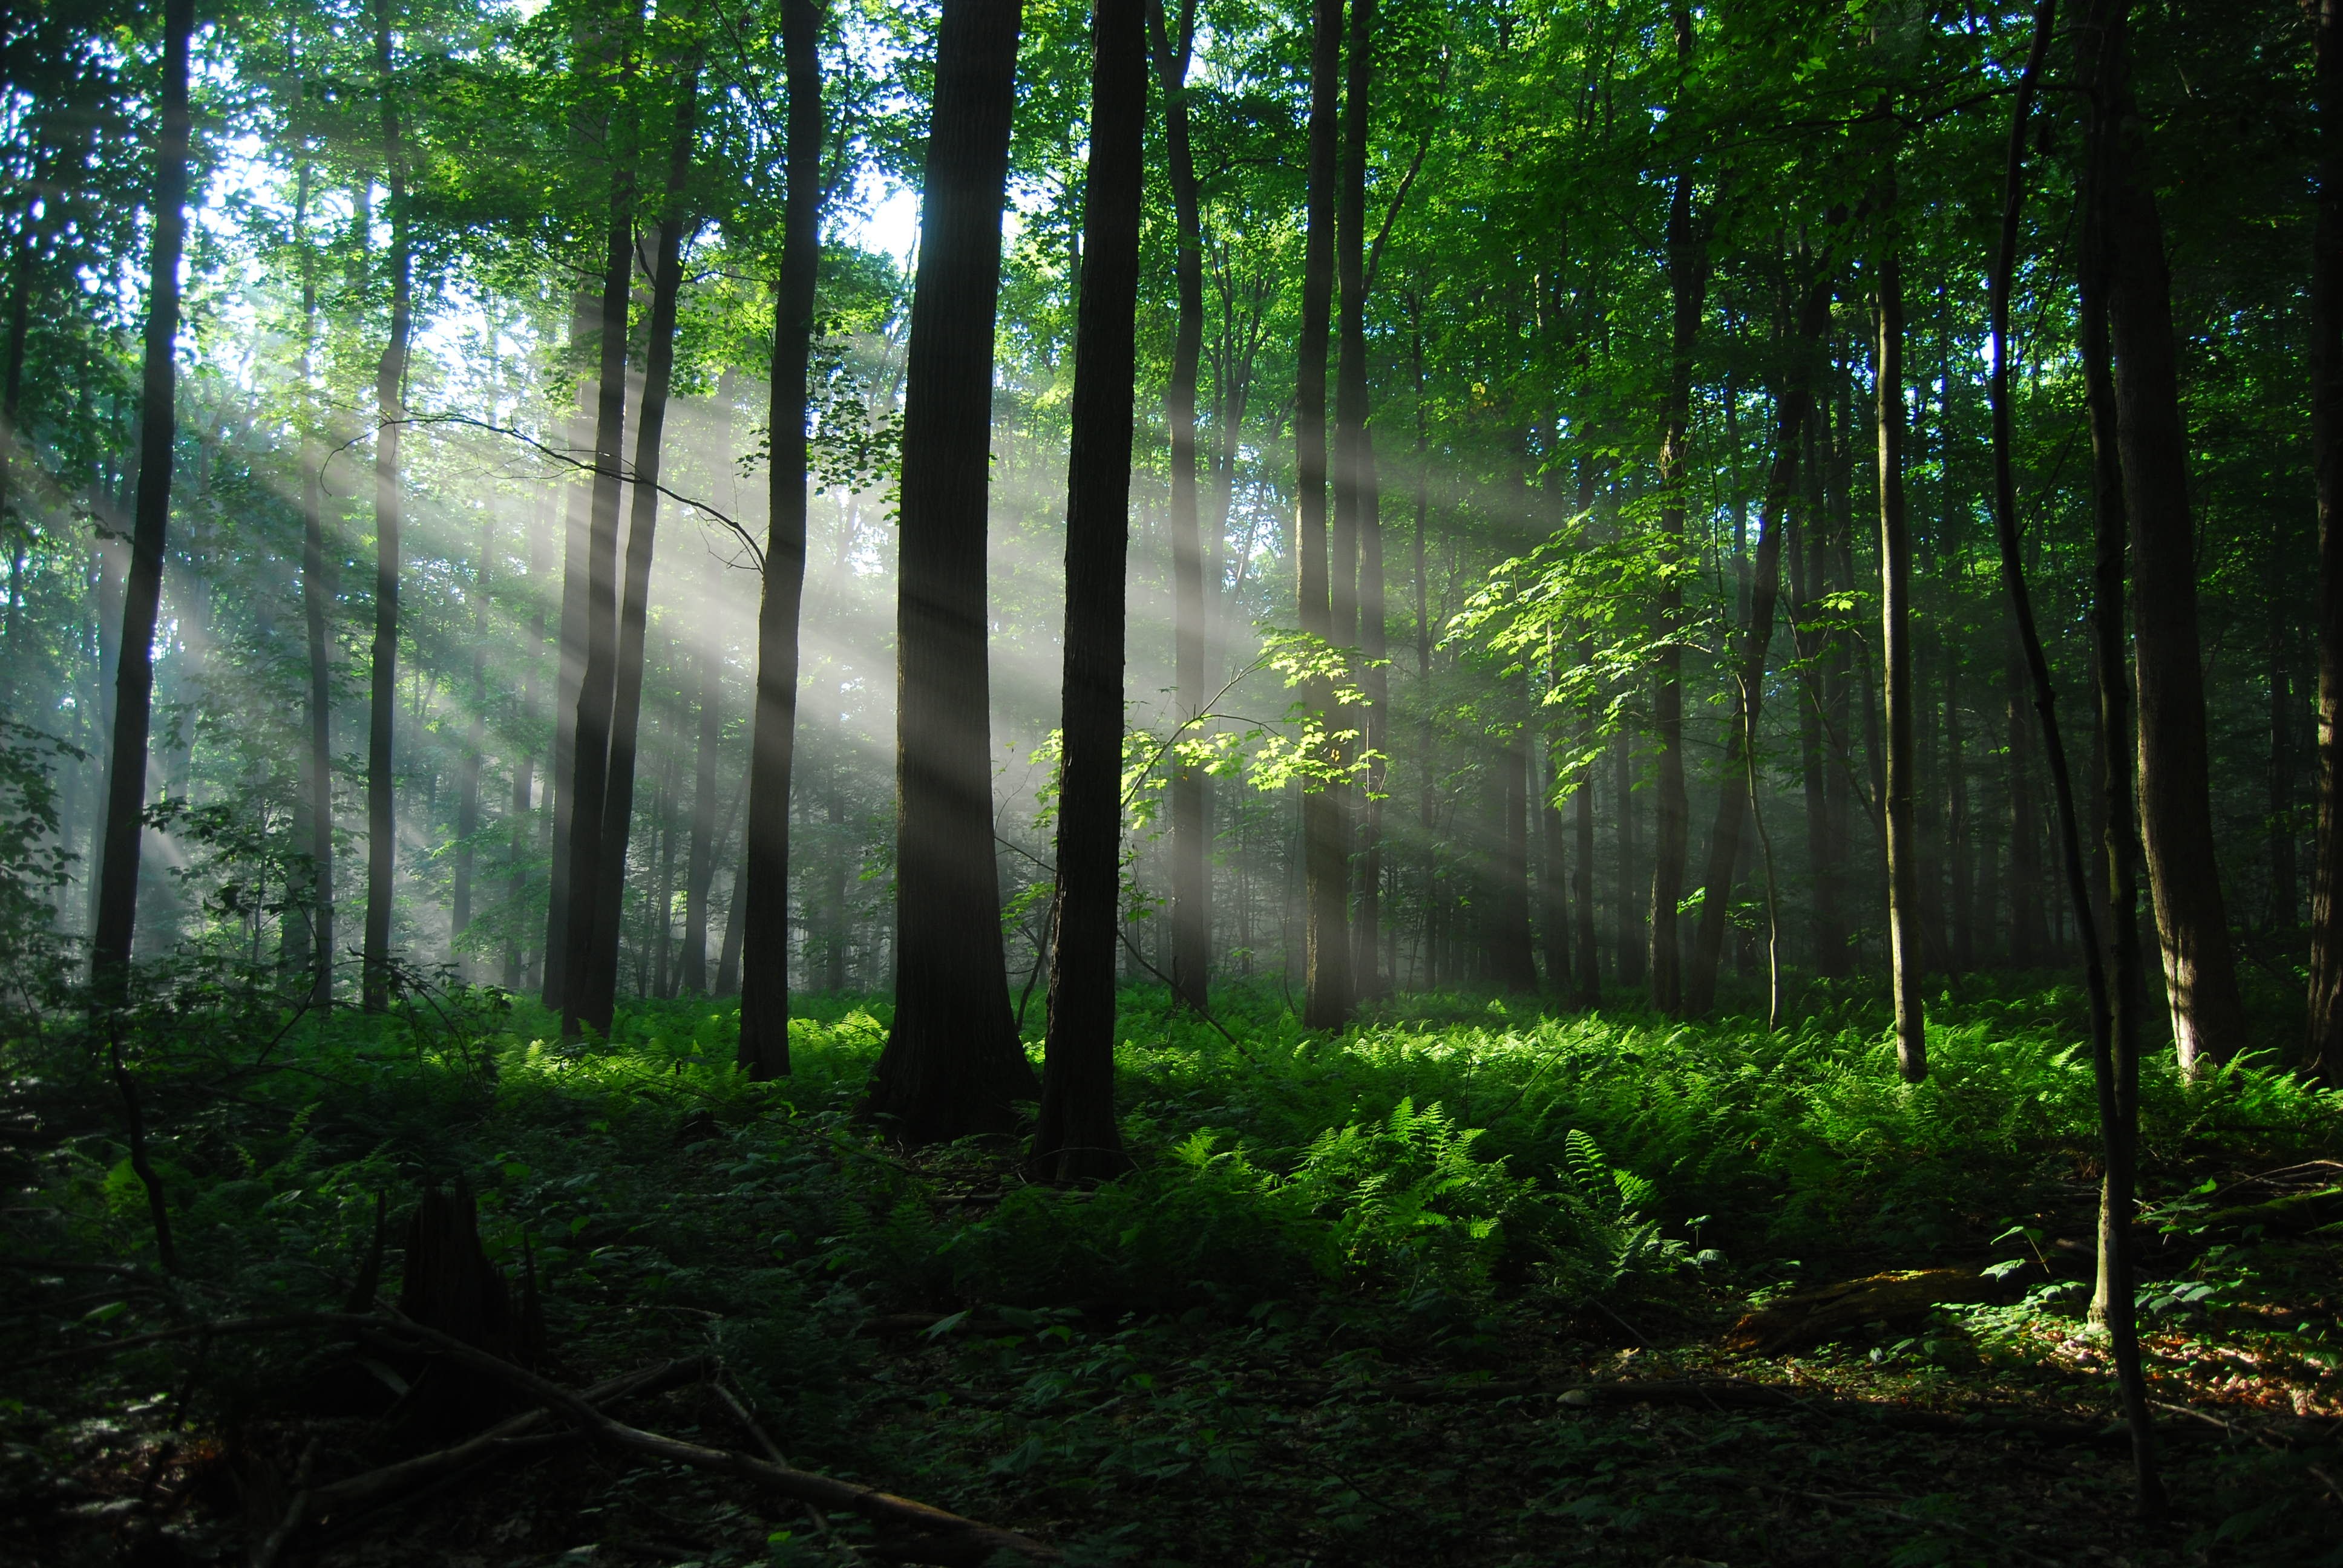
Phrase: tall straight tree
(134, 681)
(1351, 543)
(390, 393)
(1326, 941)
(468, 765)
(1077, 1139)
(952, 1065)
(570, 667)
(2323, 1051)
(598, 1006)
(761, 899)
(1191, 925)
(1687, 261)
(316, 606)
(2200, 976)
(590, 761)
(1904, 951)
(700, 862)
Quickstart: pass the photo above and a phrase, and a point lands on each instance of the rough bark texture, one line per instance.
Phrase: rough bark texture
(1326, 853)
(2200, 978)
(1903, 949)
(761, 904)
(952, 1065)
(390, 377)
(134, 681)
(2323, 1050)
(1190, 887)
(1077, 1140)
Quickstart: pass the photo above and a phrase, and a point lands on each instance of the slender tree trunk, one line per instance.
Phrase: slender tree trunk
(390, 377)
(2322, 1054)
(1687, 262)
(524, 773)
(952, 1065)
(316, 606)
(1190, 887)
(2115, 1007)
(728, 956)
(1512, 963)
(468, 766)
(1325, 854)
(760, 903)
(599, 1003)
(134, 683)
(1735, 796)
(570, 673)
(2285, 880)
(1077, 1140)
(837, 868)
(1905, 957)
(589, 772)
(2174, 794)
(699, 864)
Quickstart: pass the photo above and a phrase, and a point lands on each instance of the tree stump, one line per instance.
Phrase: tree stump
(451, 1285)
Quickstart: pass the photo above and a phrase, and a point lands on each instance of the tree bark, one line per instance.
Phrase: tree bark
(524, 773)
(1905, 957)
(598, 1006)
(316, 606)
(134, 682)
(1077, 1140)
(1512, 963)
(2200, 979)
(2322, 1055)
(760, 899)
(1190, 887)
(390, 377)
(1687, 263)
(1325, 854)
(952, 1065)
(468, 766)
(569, 672)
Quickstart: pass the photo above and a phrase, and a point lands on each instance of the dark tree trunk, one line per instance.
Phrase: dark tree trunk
(468, 766)
(1809, 576)
(524, 773)
(1687, 262)
(570, 673)
(134, 683)
(590, 770)
(599, 1003)
(1325, 851)
(316, 607)
(2323, 1049)
(760, 902)
(1737, 785)
(2285, 879)
(1512, 963)
(1077, 1140)
(1191, 888)
(1958, 851)
(952, 1065)
(2027, 938)
(835, 924)
(1357, 591)
(699, 864)
(1905, 957)
(390, 377)
(2200, 978)
(727, 957)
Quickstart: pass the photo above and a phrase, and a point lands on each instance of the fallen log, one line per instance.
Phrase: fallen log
(1810, 1317)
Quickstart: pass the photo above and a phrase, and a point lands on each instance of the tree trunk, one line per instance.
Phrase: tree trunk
(836, 921)
(390, 377)
(597, 1007)
(760, 902)
(2322, 1055)
(133, 684)
(468, 766)
(316, 606)
(524, 773)
(1512, 964)
(952, 1065)
(2175, 804)
(1190, 887)
(1077, 1140)
(1737, 784)
(1326, 853)
(1905, 957)
(589, 772)
(570, 673)
(1687, 263)
(2284, 899)
(699, 864)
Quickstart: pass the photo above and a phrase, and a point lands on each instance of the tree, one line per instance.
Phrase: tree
(760, 901)
(1077, 1139)
(1904, 953)
(126, 795)
(390, 500)
(2323, 1051)
(952, 1065)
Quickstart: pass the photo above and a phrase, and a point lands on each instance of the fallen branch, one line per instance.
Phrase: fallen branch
(966, 1539)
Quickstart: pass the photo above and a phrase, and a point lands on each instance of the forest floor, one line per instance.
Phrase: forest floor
(1465, 1285)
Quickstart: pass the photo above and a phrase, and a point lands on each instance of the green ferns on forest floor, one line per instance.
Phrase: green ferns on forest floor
(1454, 1196)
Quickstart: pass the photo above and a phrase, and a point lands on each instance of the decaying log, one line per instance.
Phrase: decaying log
(1811, 1317)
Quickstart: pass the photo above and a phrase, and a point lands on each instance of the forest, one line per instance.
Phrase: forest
(1170, 782)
